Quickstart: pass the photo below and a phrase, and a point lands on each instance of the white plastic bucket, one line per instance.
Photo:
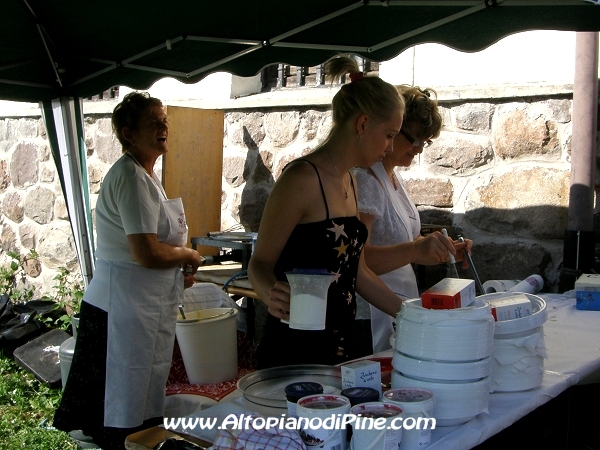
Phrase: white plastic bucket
(417, 404)
(365, 436)
(208, 342)
(65, 356)
(519, 348)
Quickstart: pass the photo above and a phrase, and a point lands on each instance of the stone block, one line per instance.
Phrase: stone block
(309, 124)
(526, 202)
(27, 236)
(282, 127)
(510, 260)
(8, 243)
(458, 154)
(107, 148)
(57, 247)
(250, 206)
(517, 135)
(473, 116)
(12, 207)
(233, 170)
(39, 204)
(430, 192)
(24, 165)
(28, 128)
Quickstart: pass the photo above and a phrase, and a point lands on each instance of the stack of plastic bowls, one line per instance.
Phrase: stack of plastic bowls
(519, 348)
(448, 353)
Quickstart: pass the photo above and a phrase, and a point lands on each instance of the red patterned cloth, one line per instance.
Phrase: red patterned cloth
(178, 382)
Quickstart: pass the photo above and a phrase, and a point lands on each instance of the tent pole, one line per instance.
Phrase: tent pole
(578, 253)
(64, 124)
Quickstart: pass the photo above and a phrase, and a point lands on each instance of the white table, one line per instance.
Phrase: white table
(573, 346)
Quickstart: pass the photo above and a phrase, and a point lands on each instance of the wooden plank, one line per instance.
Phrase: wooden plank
(192, 169)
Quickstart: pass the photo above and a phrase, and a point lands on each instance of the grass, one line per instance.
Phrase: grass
(26, 410)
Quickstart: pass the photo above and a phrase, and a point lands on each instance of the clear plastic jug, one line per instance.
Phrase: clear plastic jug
(308, 298)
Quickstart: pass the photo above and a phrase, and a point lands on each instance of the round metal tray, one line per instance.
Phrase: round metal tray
(267, 387)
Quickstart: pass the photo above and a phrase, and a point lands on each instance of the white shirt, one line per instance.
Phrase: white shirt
(130, 202)
(387, 228)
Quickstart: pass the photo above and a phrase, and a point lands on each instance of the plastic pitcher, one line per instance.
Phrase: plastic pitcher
(308, 298)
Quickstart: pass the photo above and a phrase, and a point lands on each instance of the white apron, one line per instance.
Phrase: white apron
(142, 312)
(402, 281)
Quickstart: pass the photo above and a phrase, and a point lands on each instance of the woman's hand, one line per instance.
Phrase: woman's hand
(279, 300)
(434, 248)
(188, 281)
(460, 248)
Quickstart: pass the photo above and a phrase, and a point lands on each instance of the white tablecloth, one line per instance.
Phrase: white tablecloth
(573, 345)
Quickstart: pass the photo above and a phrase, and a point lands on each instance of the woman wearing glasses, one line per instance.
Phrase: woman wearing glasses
(391, 216)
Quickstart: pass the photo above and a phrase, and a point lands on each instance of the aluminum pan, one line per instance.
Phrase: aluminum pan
(267, 387)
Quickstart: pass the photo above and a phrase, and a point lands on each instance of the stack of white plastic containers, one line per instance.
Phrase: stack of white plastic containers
(448, 352)
(519, 348)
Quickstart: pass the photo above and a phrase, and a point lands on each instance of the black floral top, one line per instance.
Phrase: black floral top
(334, 245)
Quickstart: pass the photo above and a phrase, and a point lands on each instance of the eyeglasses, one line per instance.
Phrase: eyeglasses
(415, 142)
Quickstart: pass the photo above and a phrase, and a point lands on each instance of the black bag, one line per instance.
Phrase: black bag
(21, 322)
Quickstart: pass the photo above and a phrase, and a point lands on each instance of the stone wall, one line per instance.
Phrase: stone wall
(33, 214)
(499, 174)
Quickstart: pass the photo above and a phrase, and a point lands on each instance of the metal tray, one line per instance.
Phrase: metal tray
(267, 387)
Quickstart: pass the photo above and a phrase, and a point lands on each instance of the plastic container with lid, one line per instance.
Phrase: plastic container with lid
(366, 436)
(358, 395)
(316, 409)
(295, 391)
(416, 404)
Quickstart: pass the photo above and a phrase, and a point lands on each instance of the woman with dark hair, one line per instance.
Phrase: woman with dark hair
(392, 218)
(124, 347)
(311, 221)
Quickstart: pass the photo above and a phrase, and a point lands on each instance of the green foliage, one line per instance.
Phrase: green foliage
(26, 405)
(68, 293)
(13, 277)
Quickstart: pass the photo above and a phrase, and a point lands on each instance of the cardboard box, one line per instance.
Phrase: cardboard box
(364, 373)
(509, 308)
(589, 282)
(587, 292)
(450, 293)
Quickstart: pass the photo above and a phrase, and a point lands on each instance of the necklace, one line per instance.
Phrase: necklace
(338, 173)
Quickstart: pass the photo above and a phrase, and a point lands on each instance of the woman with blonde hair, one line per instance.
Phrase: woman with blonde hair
(311, 222)
(392, 218)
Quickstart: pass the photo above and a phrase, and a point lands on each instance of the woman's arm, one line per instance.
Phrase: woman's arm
(288, 203)
(372, 289)
(152, 254)
(429, 250)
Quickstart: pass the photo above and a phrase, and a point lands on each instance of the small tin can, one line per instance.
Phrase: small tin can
(295, 391)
